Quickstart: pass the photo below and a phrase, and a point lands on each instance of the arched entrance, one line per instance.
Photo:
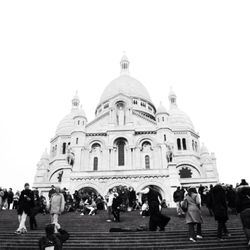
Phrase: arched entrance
(156, 188)
(87, 191)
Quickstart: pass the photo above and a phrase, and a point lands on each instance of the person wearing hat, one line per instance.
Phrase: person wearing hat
(243, 206)
(51, 191)
(25, 204)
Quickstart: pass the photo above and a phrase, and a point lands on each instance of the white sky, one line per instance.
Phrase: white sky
(50, 49)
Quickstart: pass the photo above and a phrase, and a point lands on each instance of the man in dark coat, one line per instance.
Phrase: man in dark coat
(217, 201)
(25, 204)
(178, 198)
(53, 240)
(243, 207)
(35, 210)
(156, 218)
(10, 197)
(116, 206)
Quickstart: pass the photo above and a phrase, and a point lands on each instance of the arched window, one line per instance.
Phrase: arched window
(165, 137)
(78, 122)
(95, 163)
(196, 146)
(77, 140)
(121, 152)
(64, 148)
(163, 119)
(179, 144)
(147, 162)
(184, 145)
(193, 145)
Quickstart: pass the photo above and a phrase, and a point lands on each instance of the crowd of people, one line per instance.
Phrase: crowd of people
(219, 200)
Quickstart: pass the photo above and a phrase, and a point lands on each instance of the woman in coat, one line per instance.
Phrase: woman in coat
(217, 201)
(57, 206)
(193, 214)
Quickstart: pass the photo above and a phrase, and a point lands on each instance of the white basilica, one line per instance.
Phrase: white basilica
(128, 143)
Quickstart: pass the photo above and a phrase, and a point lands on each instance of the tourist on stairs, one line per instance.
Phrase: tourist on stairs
(25, 204)
(156, 219)
(54, 239)
(57, 205)
(217, 201)
(193, 214)
(243, 207)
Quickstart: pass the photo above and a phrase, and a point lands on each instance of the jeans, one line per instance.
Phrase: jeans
(191, 229)
(222, 228)
(22, 219)
(245, 220)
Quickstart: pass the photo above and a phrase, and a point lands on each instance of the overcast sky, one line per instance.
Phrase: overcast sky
(50, 49)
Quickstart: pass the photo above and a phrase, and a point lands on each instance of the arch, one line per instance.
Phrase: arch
(120, 144)
(195, 174)
(56, 172)
(141, 140)
(88, 190)
(88, 184)
(118, 183)
(90, 143)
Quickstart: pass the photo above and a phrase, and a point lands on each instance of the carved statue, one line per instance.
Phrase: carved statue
(70, 157)
(59, 177)
(169, 153)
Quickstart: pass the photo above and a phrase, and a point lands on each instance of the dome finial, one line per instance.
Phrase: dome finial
(172, 97)
(124, 64)
(75, 101)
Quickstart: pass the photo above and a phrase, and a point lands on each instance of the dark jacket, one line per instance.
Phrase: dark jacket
(26, 202)
(242, 198)
(178, 196)
(55, 240)
(217, 202)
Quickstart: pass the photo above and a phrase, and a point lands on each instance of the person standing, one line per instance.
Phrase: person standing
(217, 201)
(25, 204)
(57, 205)
(35, 210)
(243, 207)
(156, 219)
(10, 197)
(178, 198)
(1, 198)
(15, 200)
(193, 214)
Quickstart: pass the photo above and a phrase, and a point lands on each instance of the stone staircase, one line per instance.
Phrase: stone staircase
(92, 232)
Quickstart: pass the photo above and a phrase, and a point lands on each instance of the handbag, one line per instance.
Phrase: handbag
(184, 205)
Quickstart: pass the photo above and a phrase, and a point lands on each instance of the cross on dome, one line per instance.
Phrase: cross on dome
(124, 64)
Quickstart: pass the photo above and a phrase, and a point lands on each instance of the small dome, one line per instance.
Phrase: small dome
(179, 120)
(66, 125)
(127, 85)
(161, 110)
(204, 149)
(45, 155)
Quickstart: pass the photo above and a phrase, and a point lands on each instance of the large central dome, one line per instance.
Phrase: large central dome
(125, 84)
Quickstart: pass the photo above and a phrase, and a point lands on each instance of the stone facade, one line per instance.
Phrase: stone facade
(126, 144)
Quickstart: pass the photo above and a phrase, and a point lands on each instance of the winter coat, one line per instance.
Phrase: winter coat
(26, 202)
(242, 198)
(217, 202)
(193, 214)
(57, 203)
